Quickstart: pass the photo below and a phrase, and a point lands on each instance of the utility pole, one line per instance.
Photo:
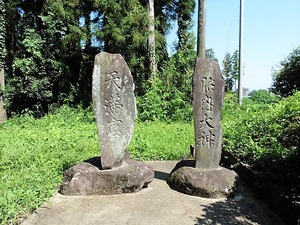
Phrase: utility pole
(241, 37)
(201, 29)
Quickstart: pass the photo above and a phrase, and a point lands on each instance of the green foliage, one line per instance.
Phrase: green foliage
(33, 154)
(263, 97)
(68, 34)
(170, 95)
(210, 54)
(30, 88)
(126, 32)
(164, 105)
(184, 11)
(161, 141)
(290, 120)
(262, 134)
(287, 78)
(230, 69)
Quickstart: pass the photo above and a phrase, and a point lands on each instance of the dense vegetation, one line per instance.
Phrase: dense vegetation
(35, 152)
(47, 49)
(287, 75)
(263, 133)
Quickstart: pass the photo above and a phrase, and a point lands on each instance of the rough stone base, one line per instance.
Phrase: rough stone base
(87, 178)
(207, 183)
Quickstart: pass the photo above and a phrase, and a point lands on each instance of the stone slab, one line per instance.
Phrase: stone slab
(114, 106)
(208, 94)
(208, 183)
(88, 178)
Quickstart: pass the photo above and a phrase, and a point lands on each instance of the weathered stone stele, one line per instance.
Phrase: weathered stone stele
(114, 107)
(204, 177)
(208, 97)
(115, 110)
(2, 110)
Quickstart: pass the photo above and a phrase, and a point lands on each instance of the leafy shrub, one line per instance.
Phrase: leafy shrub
(287, 78)
(290, 120)
(259, 133)
(263, 96)
(164, 105)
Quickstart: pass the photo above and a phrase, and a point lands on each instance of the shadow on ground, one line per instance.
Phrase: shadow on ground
(160, 175)
(229, 212)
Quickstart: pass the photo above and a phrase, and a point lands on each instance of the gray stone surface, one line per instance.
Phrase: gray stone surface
(87, 178)
(209, 183)
(204, 177)
(2, 110)
(114, 107)
(208, 97)
(157, 205)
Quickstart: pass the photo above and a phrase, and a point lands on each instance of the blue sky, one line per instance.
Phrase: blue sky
(271, 32)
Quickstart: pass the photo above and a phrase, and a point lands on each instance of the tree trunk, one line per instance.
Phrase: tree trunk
(151, 40)
(2, 111)
(201, 28)
(2, 57)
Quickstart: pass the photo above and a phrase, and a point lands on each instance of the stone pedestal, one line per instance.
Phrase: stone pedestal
(88, 178)
(208, 183)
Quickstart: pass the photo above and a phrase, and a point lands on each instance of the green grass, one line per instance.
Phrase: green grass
(161, 141)
(35, 152)
(33, 155)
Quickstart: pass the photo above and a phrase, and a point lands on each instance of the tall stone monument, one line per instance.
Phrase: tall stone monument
(114, 107)
(208, 98)
(2, 110)
(204, 177)
(115, 112)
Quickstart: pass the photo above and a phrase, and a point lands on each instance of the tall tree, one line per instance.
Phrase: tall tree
(184, 11)
(227, 67)
(287, 78)
(2, 58)
(126, 32)
(235, 67)
(2, 34)
(231, 70)
(51, 45)
(165, 15)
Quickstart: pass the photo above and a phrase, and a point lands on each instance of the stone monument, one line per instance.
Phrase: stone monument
(204, 177)
(114, 107)
(2, 110)
(115, 111)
